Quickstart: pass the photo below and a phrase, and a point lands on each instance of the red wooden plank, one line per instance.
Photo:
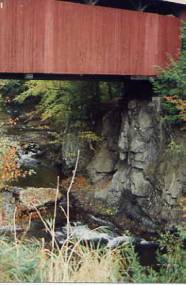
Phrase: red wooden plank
(50, 36)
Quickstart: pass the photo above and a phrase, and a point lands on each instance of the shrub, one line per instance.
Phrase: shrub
(10, 169)
(31, 261)
(171, 85)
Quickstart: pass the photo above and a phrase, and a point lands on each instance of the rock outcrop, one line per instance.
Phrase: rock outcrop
(18, 203)
(135, 176)
(70, 146)
(143, 176)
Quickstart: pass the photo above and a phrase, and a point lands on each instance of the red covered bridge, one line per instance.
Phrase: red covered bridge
(62, 38)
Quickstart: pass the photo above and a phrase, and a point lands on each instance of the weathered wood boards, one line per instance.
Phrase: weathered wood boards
(56, 37)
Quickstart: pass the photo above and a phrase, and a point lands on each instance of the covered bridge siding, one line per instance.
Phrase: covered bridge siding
(56, 37)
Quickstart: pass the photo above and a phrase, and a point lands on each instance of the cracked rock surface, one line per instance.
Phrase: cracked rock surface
(145, 183)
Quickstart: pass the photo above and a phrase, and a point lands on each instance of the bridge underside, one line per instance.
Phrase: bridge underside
(78, 77)
(58, 40)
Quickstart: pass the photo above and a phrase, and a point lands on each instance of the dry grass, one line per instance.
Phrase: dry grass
(72, 263)
(98, 269)
(84, 265)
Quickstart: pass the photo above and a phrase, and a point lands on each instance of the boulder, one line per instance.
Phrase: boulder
(32, 197)
(104, 163)
(145, 183)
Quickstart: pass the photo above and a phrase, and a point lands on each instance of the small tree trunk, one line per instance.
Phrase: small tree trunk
(110, 91)
(140, 5)
(91, 2)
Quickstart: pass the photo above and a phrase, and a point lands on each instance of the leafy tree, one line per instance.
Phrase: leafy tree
(64, 104)
(171, 85)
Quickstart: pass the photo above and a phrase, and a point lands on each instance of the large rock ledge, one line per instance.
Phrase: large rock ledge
(19, 205)
(30, 198)
(132, 175)
(131, 181)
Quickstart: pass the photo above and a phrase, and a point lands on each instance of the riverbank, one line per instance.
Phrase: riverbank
(122, 202)
(32, 261)
(102, 187)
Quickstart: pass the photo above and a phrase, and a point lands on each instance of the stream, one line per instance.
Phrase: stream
(45, 175)
(30, 138)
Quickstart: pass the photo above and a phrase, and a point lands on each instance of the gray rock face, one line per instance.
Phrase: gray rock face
(31, 197)
(71, 144)
(104, 163)
(145, 184)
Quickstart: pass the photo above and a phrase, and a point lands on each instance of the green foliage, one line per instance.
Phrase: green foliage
(62, 101)
(171, 260)
(110, 90)
(171, 112)
(12, 87)
(19, 262)
(30, 261)
(89, 136)
(171, 82)
(66, 106)
(175, 151)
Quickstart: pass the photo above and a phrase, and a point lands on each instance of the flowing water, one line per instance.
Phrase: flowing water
(45, 175)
